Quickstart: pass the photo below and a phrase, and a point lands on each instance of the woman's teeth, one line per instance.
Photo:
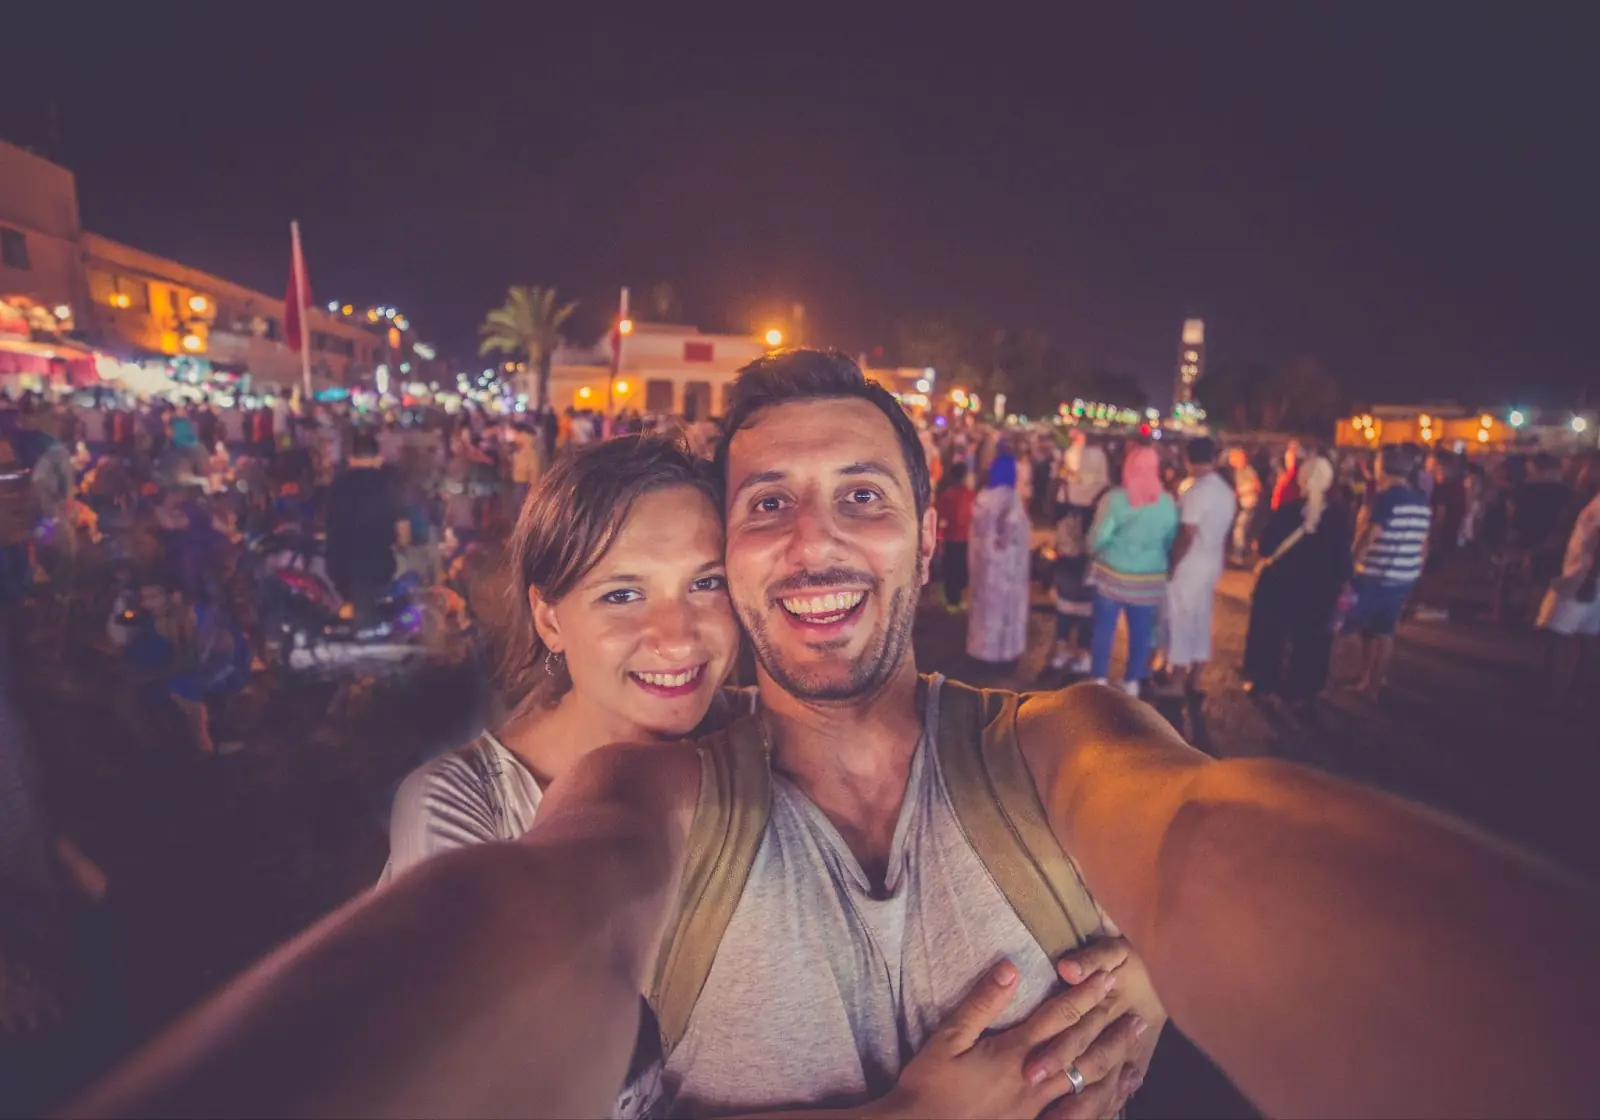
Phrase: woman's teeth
(669, 680)
(823, 608)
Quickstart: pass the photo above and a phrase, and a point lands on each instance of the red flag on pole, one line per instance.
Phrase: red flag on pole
(296, 302)
(298, 296)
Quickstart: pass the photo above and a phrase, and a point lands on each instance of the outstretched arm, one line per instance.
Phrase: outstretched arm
(502, 979)
(1335, 950)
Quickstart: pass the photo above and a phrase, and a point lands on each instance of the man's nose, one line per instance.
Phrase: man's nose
(815, 540)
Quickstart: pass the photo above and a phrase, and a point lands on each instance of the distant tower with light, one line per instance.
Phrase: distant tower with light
(1191, 361)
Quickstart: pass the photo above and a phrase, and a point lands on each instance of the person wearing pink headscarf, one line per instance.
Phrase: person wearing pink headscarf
(1131, 542)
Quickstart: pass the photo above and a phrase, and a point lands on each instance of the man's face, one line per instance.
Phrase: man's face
(826, 555)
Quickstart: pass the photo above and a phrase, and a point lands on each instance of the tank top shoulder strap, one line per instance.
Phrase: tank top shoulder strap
(993, 795)
(730, 819)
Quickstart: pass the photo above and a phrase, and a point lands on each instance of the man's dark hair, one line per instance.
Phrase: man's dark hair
(1201, 450)
(363, 443)
(958, 474)
(808, 375)
(1544, 462)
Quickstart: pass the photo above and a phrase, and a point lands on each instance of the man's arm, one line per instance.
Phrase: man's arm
(1180, 546)
(497, 980)
(1335, 950)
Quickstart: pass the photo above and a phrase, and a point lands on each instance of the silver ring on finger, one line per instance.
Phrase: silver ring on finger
(1074, 1076)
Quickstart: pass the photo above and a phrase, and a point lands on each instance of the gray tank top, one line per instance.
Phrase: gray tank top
(822, 989)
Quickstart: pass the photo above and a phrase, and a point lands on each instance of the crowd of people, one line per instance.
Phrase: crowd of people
(849, 885)
(1338, 539)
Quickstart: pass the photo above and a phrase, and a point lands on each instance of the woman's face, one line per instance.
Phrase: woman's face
(649, 633)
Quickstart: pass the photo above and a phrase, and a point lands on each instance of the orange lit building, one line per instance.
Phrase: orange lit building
(1445, 426)
(149, 303)
(134, 304)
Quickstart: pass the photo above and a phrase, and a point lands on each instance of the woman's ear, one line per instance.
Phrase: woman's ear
(545, 622)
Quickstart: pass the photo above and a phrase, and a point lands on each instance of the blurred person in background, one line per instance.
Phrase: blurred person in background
(1449, 502)
(1570, 610)
(997, 630)
(1305, 564)
(1132, 543)
(367, 520)
(1080, 496)
(1247, 492)
(1043, 462)
(1391, 547)
(525, 462)
(1540, 512)
(955, 532)
(1286, 489)
(1207, 512)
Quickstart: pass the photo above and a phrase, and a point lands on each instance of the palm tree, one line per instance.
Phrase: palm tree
(528, 323)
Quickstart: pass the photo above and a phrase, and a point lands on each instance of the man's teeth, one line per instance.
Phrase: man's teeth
(669, 680)
(837, 603)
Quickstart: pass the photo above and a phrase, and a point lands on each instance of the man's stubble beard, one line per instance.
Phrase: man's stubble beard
(870, 672)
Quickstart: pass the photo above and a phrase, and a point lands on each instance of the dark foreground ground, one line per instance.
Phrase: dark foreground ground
(213, 861)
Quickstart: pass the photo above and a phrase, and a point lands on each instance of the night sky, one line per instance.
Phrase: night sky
(1409, 192)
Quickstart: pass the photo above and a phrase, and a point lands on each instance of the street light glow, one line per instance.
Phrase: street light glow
(625, 327)
(1579, 425)
(63, 311)
(197, 304)
(774, 337)
(193, 343)
(1517, 418)
(622, 388)
(585, 393)
(923, 385)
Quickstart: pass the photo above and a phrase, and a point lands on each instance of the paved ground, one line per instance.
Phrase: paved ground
(213, 861)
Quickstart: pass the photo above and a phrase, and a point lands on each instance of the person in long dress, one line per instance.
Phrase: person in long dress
(1306, 562)
(997, 630)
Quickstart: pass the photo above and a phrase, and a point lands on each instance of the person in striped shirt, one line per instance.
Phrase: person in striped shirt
(1391, 547)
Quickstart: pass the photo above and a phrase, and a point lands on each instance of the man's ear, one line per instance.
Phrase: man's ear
(928, 543)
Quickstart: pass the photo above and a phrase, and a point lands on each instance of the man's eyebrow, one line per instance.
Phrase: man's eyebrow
(872, 467)
(757, 479)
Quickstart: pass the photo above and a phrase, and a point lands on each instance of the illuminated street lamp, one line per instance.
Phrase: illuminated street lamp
(1578, 425)
(1517, 418)
(193, 343)
(774, 337)
(197, 304)
(625, 327)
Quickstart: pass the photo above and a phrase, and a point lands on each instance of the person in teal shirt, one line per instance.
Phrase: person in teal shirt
(1132, 546)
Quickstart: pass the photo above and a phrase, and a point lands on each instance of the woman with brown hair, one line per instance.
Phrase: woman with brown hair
(622, 632)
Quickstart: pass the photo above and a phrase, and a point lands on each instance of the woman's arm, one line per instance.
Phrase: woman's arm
(1335, 950)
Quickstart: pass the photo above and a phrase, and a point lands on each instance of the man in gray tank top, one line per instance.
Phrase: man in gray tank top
(867, 914)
